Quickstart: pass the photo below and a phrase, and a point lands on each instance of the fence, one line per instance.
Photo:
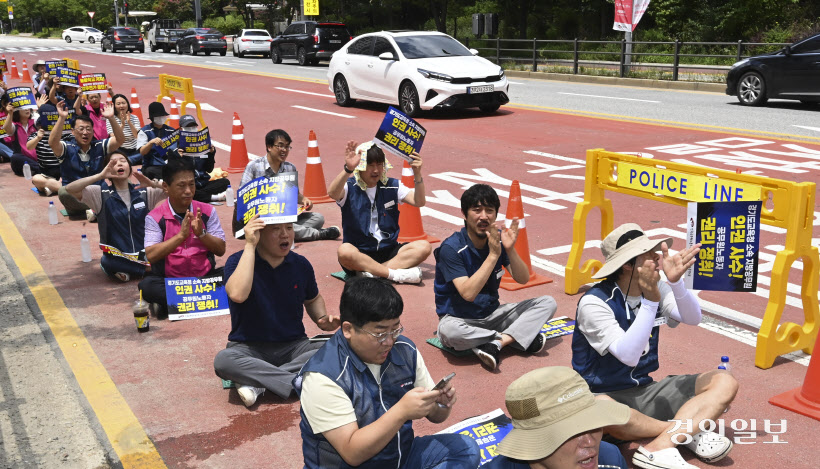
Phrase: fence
(652, 55)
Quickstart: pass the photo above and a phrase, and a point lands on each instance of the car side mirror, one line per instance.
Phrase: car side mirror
(387, 56)
(787, 50)
(473, 51)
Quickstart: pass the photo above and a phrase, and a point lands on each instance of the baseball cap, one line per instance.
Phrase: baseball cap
(187, 120)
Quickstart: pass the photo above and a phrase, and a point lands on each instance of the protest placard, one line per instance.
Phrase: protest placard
(138, 257)
(48, 118)
(729, 234)
(400, 134)
(69, 76)
(196, 297)
(556, 327)
(93, 83)
(195, 143)
(487, 430)
(2, 123)
(52, 65)
(4, 66)
(21, 97)
(169, 142)
(274, 199)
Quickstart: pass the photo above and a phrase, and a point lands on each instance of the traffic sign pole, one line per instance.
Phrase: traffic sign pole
(91, 14)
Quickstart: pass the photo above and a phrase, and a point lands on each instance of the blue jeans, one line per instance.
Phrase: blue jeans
(450, 451)
(113, 264)
(5, 152)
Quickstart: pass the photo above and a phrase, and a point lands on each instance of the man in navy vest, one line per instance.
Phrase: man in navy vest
(469, 267)
(268, 287)
(361, 392)
(615, 347)
(370, 216)
(150, 135)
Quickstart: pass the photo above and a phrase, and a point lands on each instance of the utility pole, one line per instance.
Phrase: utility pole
(198, 11)
(117, 12)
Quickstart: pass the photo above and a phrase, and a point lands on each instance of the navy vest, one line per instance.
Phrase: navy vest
(153, 158)
(339, 362)
(607, 373)
(356, 216)
(73, 168)
(119, 226)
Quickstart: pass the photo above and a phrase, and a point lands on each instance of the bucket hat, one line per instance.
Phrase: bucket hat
(623, 244)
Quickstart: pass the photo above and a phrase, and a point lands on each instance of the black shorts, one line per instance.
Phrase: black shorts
(52, 172)
(381, 256)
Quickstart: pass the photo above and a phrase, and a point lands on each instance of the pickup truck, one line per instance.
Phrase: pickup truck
(163, 34)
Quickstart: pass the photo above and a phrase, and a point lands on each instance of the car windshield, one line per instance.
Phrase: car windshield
(92, 30)
(420, 47)
(257, 33)
(127, 32)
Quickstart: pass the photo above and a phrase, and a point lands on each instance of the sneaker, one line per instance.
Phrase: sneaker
(412, 275)
(668, 458)
(488, 354)
(537, 344)
(90, 216)
(248, 394)
(331, 232)
(218, 197)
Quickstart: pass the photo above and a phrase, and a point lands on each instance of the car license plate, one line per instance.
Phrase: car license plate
(258, 42)
(335, 41)
(480, 89)
(130, 46)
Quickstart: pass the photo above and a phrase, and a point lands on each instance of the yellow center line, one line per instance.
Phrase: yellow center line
(124, 431)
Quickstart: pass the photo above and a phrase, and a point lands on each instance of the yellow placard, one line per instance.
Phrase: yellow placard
(170, 83)
(312, 7)
(72, 63)
(173, 84)
(695, 188)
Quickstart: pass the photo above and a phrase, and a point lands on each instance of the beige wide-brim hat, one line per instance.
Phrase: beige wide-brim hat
(549, 406)
(623, 244)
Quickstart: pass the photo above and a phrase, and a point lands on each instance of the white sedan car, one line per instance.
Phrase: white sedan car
(82, 34)
(252, 41)
(417, 71)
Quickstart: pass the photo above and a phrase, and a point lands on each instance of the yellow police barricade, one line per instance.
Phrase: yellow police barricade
(71, 63)
(786, 205)
(170, 83)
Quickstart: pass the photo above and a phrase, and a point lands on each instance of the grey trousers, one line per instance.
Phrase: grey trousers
(269, 365)
(521, 321)
(307, 226)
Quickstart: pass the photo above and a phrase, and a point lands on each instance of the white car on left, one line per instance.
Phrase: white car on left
(82, 34)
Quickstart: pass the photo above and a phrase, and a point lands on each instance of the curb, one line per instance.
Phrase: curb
(633, 82)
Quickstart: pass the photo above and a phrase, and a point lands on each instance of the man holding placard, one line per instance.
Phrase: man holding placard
(370, 216)
(268, 287)
(615, 347)
(196, 145)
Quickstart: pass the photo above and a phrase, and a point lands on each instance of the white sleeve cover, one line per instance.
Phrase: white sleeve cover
(629, 348)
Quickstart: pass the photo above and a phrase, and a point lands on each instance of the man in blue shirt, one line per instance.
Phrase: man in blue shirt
(268, 286)
(468, 272)
(558, 424)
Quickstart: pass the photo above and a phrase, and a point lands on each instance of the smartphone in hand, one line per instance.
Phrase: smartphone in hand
(441, 384)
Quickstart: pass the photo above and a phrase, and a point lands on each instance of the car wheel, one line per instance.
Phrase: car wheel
(488, 108)
(207, 52)
(91, 40)
(179, 50)
(809, 102)
(751, 89)
(301, 56)
(191, 50)
(102, 46)
(314, 61)
(223, 53)
(342, 92)
(409, 99)
(68, 39)
(274, 56)
(153, 47)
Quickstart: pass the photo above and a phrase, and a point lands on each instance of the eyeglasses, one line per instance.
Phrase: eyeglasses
(283, 147)
(382, 338)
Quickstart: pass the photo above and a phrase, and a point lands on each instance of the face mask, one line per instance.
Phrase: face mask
(159, 120)
(189, 129)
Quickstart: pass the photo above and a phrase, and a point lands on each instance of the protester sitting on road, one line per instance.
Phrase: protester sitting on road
(69, 94)
(19, 126)
(361, 392)
(39, 69)
(558, 424)
(93, 109)
(370, 216)
(47, 181)
(469, 267)
(83, 156)
(206, 190)
(121, 208)
(268, 286)
(130, 128)
(181, 236)
(308, 225)
(150, 135)
(615, 347)
(5, 150)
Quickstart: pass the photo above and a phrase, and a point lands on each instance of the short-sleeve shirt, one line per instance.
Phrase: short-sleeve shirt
(274, 308)
(130, 142)
(327, 406)
(451, 264)
(91, 160)
(261, 167)
(609, 457)
(598, 323)
(373, 228)
(153, 233)
(92, 196)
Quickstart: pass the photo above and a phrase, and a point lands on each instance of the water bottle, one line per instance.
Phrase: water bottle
(27, 171)
(229, 196)
(724, 364)
(52, 213)
(85, 248)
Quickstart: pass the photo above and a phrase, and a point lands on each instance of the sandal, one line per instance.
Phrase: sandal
(710, 446)
(668, 458)
(122, 276)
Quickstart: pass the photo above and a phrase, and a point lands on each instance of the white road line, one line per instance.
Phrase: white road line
(304, 92)
(325, 112)
(609, 97)
(311, 68)
(142, 66)
(567, 176)
(243, 64)
(224, 147)
(227, 64)
(135, 74)
(88, 66)
(206, 89)
(514, 82)
(33, 54)
(808, 128)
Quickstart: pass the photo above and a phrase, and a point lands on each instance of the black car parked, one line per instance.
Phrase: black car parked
(309, 41)
(206, 40)
(790, 73)
(122, 38)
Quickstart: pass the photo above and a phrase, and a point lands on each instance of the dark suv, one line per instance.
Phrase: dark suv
(122, 38)
(309, 41)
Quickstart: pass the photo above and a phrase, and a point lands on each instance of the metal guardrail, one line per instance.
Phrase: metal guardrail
(575, 51)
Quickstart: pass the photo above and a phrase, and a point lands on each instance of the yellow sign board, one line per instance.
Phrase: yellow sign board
(71, 63)
(170, 83)
(691, 187)
(312, 7)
